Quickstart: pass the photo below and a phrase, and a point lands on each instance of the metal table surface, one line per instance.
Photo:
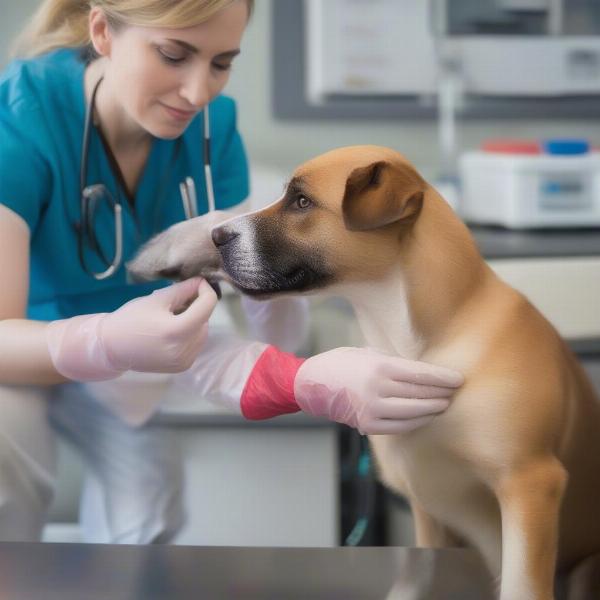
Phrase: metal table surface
(36, 571)
(30, 571)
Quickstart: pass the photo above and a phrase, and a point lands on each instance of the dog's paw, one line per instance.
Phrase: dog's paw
(184, 250)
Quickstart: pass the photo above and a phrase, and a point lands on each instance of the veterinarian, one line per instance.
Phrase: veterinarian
(85, 353)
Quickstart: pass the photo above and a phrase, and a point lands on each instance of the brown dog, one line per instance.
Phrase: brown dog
(512, 468)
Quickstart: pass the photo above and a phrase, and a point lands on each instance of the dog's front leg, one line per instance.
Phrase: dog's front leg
(530, 498)
(429, 532)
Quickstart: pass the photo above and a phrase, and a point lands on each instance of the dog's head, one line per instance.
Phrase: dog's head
(344, 217)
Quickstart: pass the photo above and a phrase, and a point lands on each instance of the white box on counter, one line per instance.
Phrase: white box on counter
(530, 190)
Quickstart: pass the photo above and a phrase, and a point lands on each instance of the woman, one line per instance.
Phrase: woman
(144, 70)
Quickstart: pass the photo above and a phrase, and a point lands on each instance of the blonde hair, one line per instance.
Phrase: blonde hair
(64, 23)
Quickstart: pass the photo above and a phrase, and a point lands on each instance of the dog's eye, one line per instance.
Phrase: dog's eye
(303, 202)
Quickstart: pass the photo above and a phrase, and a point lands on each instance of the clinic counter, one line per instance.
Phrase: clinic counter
(33, 571)
(501, 243)
(547, 265)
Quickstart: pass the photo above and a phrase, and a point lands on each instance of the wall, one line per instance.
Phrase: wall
(285, 144)
(12, 16)
(288, 143)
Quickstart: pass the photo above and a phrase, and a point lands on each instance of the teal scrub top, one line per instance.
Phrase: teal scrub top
(42, 114)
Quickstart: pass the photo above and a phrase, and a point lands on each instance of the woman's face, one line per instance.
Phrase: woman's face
(162, 78)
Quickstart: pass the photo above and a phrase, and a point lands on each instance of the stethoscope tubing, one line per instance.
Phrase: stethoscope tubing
(187, 190)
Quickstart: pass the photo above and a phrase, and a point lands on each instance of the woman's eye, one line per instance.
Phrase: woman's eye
(303, 202)
(170, 57)
(222, 67)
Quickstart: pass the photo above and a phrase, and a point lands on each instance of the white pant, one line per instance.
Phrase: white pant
(132, 490)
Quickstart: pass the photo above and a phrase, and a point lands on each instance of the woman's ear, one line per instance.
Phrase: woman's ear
(100, 33)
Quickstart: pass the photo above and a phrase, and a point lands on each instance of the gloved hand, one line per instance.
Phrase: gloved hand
(373, 392)
(184, 250)
(148, 334)
(369, 390)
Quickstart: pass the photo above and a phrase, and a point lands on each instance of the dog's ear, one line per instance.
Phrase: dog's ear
(380, 194)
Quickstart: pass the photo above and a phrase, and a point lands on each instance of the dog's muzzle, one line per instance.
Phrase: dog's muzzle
(221, 236)
(259, 270)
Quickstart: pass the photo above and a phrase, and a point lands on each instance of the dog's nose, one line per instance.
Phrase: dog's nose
(223, 235)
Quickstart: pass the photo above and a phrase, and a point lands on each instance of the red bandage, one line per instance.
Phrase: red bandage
(269, 390)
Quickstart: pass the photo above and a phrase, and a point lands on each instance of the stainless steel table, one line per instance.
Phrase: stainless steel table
(35, 571)
(104, 572)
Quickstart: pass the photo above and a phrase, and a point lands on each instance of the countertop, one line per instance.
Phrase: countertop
(499, 243)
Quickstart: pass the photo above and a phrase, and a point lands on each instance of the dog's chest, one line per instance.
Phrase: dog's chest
(426, 471)
(443, 484)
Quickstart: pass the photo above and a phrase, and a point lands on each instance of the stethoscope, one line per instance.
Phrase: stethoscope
(91, 195)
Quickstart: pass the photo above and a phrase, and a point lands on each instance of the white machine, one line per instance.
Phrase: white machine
(390, 48)
(519, 187)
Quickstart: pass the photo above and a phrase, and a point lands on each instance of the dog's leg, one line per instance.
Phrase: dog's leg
(429, 532)
(530, 499)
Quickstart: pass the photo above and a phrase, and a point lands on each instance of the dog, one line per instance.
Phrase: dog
(512, 468)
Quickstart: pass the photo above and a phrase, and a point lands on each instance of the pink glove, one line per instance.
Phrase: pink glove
(366, 389)
(373, 392)
(148, 334)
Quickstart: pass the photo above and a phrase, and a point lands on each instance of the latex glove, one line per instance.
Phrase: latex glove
(148, 334)
(219, 373)
(373, 392)
(184, 250)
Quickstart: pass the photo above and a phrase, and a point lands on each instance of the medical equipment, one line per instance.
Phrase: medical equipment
(210, 193)
(520, 184)
(188, 188)
(94, 196)
(356, 49)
